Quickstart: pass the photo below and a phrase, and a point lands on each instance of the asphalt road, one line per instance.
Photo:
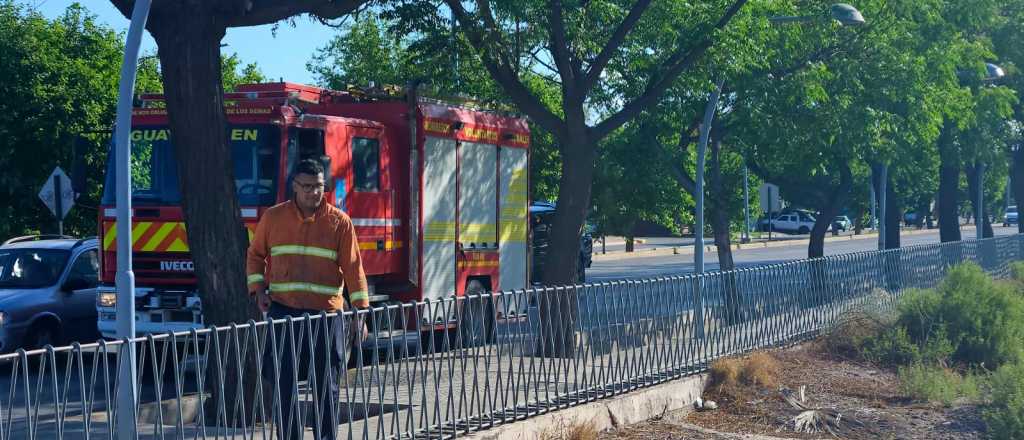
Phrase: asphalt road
(617, 245)
(654, 266)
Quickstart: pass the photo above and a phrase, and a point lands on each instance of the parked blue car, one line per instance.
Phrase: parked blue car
(47, 291)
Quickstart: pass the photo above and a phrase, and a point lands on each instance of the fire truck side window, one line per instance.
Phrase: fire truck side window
(366, 164)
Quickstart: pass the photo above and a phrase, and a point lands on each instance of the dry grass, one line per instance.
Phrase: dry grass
(741, 379)
(574, 431)
(758, 370)
(725, 373)
(762, 370)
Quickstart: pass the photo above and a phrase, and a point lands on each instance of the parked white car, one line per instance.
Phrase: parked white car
(842, 223)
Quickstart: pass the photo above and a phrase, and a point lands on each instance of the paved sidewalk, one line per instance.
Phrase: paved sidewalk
(658, 246)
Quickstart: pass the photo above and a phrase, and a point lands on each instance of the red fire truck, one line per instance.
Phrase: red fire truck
(437, 193)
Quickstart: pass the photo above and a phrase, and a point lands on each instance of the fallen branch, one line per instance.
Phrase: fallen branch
(814, 420)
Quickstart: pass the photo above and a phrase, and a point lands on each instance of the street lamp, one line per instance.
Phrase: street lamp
(846, 15)
(992, 74)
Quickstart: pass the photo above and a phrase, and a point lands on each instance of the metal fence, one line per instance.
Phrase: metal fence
(511, 355)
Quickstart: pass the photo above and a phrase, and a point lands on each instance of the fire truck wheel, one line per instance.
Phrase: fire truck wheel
(477, 324)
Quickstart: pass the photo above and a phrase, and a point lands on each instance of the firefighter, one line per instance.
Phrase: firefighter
(303, 255)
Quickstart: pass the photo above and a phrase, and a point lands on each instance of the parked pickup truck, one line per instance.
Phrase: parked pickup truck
(793, 222)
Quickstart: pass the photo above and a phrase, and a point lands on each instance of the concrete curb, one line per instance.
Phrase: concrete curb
(627, 409)
(688, 250)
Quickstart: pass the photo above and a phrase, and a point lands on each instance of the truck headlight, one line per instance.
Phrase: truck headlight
(3, 318)
(106, 299)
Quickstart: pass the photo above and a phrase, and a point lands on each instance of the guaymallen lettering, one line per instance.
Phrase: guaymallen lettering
(237, 134)
(150, 135)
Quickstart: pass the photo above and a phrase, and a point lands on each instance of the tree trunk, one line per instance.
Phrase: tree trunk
(559, 309)
(858, 226)
(949, 187)
(573, 203)
(972, 188)
(892, 218)
(189, 50)
(719, 213)
(216, 235)
(720, 230)
(830, 209)
(816, 247)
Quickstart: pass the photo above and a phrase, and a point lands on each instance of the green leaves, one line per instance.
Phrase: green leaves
(59, 79)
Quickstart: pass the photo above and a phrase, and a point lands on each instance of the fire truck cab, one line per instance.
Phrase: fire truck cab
(437, 193)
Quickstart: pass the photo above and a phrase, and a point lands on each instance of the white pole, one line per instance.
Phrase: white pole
(883, 180)
(873, 203)
(746, 205)
(127, 389)
(702, 146)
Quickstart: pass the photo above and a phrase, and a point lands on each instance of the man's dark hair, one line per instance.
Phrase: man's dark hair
(308, 166)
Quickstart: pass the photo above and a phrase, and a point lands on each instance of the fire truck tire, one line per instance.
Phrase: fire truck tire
(477, 320)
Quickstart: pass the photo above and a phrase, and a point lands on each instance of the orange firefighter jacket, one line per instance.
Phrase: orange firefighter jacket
(306, 262)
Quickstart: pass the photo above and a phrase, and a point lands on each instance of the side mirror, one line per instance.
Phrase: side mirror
(325, 160)
(74, 283)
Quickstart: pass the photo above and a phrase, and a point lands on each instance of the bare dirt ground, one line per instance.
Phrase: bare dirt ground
(869, 400)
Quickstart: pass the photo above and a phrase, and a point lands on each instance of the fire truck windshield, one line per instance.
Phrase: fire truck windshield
(254, 151)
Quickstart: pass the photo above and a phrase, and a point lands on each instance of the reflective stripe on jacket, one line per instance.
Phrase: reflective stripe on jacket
(306, 262)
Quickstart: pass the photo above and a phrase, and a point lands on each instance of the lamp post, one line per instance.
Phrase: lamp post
(843, 13)
(746, 204)
(702, 145)
(993, 73)
(883, 191)
(125, 279)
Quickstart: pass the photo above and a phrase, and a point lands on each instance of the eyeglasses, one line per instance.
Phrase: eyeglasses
(310, 187)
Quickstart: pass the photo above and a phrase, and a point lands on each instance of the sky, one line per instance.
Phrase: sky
(279, 56)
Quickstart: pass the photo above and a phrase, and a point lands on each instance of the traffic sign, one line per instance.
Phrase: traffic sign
(57, 193)
(770, 197)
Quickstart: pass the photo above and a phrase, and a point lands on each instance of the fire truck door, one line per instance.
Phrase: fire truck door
(478, 192)
(512, 222)
(369, 203)
(439, 205)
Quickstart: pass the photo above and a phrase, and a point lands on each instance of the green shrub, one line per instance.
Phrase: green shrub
(937, 349)
(1017, 272)
(969, 318)
(933, 383)
(892, 347)
(984, 319)
(1005, 415)
(919, 313)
